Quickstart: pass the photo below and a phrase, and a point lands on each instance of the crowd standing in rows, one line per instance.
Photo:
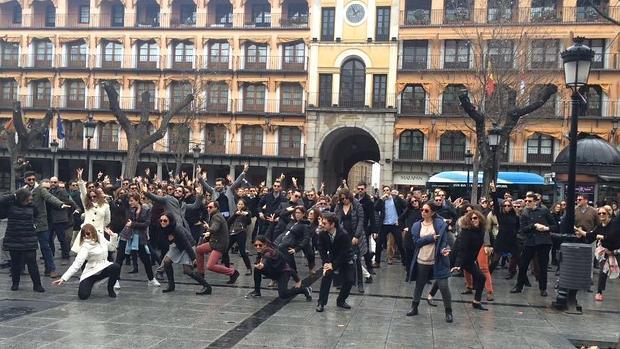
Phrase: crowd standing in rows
(181, 220)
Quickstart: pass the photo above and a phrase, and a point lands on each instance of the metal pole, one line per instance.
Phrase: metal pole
(467, 191)
(54, 173)
(90, 175)
(569, 218)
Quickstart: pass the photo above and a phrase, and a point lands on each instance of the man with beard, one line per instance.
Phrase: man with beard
(223, 194)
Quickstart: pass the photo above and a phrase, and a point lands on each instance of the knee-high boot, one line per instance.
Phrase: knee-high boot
(206, 288)
(170, 274)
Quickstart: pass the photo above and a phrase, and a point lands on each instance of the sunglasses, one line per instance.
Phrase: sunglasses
(426, 210)
(527, 201)
(474, 218)
(29, 179)
(415, 201)
(360, 189)
(258, 245)
(602, 213)
(507, 205)
(163, 220)
(210, 207)
(296, 196)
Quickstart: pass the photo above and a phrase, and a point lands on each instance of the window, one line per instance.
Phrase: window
(252, 140)
(291, 98)
(328, 20)
(545, 11)
(261, 15)
(256, 56)
(9, 54)
(75, 94)
(501, 11)
(148, 55)
(108, 136)
(74, 134)
(178, 138)
(452, 146)
(254, 98)
(218, 55)
(223, 15)
(415, 54)
(104, 102)
(501, 54)
(178, 91)
(139, 88)
(217, 97)
(76, 53)
(84, 15)
(379, 90)
(598, 46)
(594, 96)
(41, 93)
(382, 30)
(118, 15)
(297, 15)
(43, 54)
(548, 110)
(585, 13)
(187, 15)
(147, 14)
(458, 11)
(112, 54)
(411, 145)
(289, 141)
(418, 12)
(413, 100)
(456, 54)
(352, 83)
(325, 90)
(183, 55)
(215, 139)
(545, 54)
(450, 104)
(8, 92)
(294, 56)
(16, 17)
(503, 99)
(50, 16)
(540, 149)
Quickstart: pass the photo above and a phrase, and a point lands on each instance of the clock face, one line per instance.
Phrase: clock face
(355, 13)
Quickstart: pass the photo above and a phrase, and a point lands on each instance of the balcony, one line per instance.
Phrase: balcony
(271, 63)
(9, 61)
(266, 149)
(433, 153)
(37, 102)
(360, 102)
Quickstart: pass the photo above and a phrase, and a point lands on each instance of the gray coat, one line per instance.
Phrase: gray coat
(61, 215)
(229, 191)
(357, 221)
(40, 198)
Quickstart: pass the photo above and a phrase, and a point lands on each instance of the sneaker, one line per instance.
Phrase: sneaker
(117, 285)
(153, 283)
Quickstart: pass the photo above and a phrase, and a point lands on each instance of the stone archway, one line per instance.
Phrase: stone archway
(341, 149)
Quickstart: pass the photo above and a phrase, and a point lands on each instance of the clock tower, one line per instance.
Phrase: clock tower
(351, 88)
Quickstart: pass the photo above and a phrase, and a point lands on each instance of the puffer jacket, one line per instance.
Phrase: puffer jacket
(20, 230)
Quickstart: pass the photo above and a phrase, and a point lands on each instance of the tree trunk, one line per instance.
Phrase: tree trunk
(473, 198)
(133, 155)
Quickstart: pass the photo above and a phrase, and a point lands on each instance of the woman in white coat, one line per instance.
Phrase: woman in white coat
(96, 209)
(94, 252)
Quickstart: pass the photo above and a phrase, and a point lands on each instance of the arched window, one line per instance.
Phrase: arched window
(452, 146)
(411, 145)
(594, 96)
(540, 148)
(352, 83)
(413, 100)
(450, 104)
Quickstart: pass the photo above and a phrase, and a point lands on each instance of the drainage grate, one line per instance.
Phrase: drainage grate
(593, 343)
(14, 308)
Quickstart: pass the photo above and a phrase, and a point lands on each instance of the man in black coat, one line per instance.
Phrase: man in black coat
(269, 205)
(370, 222)
(337, 255)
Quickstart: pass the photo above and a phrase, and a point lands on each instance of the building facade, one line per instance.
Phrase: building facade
(306, 88)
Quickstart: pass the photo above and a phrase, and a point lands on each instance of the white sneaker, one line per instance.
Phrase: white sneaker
(117, 285)
(153, 283)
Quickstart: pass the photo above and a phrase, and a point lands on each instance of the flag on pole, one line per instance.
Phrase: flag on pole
(60, 130)
(491, 84)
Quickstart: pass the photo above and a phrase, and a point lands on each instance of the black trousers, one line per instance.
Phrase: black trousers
(398, 238)
(542, 254)
(144, 257)
(29, 258)
(86, 286)
(240, 239)
(478, 278)
(346, 274)
(283, 291)
(58, 230)
(423, 275)
(515, 257)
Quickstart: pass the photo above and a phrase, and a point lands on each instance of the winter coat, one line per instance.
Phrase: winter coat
(40, 198)
(508, 227)
(274, 263)
(239, 222)
(370, 223)
(139, 224)
(441, 266)
(337, 252)
(94, 254)
(60, 215)
(295, 235)
(357, 222)
(218, 228)
(470, 243)
(529, 218)
(20, 230)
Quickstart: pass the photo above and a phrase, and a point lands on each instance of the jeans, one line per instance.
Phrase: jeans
(422, 276)
(383, 233)
(44, 244)
(86, 286)
(18, 259)
(542, 254)
(59, 229)
(144, 257)
(212, 262)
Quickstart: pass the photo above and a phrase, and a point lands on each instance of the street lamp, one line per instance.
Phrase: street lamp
(469, 157)
(577, 61)
(89, 130)
(196, 154)
(493, 139)
(54, 149)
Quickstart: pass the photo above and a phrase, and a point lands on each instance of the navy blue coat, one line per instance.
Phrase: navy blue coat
(441, 268)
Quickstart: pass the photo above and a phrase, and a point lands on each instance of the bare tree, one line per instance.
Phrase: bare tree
(138, 136)
(601, 12)
(26, 136)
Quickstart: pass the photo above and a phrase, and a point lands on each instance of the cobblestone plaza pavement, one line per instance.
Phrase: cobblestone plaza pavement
(143, 317)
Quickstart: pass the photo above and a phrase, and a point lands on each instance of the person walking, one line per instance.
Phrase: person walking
(471, 239)
(93, 252)
(20, 238)
(430, 258)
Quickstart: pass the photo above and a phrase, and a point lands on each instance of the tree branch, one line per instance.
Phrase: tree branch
(144, 107)
(39, 127)
(120, 115)
(600, 13)
(470, 109)
(161, 130)
(513, 116)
